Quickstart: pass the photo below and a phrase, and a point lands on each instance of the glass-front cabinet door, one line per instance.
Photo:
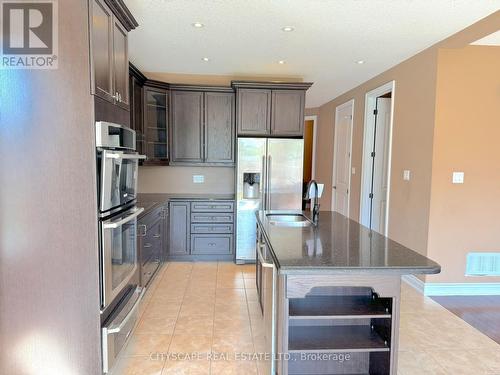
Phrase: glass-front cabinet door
(156, 125)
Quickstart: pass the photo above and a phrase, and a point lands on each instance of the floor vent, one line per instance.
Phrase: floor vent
(483, 264)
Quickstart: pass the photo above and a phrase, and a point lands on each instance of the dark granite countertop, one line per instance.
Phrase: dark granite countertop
(339, 245)
(152, 200)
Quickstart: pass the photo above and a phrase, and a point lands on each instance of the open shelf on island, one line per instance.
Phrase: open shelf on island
(341, 307)
(347, 338)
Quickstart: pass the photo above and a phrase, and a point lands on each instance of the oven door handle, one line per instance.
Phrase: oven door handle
(113, 155)
(116, 224)
(118, 327)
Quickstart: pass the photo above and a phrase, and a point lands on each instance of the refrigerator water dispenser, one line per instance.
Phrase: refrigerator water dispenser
(251, 185)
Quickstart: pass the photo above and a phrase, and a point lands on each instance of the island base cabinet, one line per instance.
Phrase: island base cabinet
(338, 324)
(326, 363)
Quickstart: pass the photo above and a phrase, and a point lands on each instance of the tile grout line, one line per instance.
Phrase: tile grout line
(176, 319)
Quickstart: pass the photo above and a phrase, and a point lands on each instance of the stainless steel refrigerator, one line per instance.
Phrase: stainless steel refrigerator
(269, 177)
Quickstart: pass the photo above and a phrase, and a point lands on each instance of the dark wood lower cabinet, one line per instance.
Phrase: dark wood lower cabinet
(201, 230)
(152, 242)
(179, 228)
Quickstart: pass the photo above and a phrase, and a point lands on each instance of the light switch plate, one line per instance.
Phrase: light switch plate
(406, 175)
(198, 178)
(458, 177)
(353, 170)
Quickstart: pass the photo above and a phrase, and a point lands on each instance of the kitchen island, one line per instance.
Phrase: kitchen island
(330, 293)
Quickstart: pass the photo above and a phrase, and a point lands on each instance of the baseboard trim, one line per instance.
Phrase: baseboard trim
(414, 282)
(452, 289)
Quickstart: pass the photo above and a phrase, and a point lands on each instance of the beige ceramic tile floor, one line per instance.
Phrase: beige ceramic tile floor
(212, 308)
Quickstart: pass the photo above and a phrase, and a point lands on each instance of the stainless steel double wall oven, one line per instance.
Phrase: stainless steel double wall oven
(117, 169)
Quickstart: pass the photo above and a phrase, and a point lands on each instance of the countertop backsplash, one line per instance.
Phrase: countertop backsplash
(179, 180)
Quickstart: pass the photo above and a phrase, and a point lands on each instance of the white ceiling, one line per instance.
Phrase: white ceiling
(244, 37)
(489, 40)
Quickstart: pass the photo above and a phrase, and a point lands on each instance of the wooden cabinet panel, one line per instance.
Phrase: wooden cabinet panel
(109, 55)
(120, 64)
(102, 50)
(212, 217)
(287, 112)
(187, 126)
(179, 228)
(155, 125)
(212, 206)
(136, 112)
(211, 244)
(151, 243)
(219, 127)
(254, 112)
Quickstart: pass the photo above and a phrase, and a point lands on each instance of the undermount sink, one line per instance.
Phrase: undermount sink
(289, 220)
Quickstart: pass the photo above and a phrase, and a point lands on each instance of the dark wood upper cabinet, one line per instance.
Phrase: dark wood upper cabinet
(120, 64)
(267, 109)
(102, 49)
(219, 127)
(187, 126)
(136, 98)
(254, 111)
(109, 50)
(202, 125)
(155, 125)
(288, 112)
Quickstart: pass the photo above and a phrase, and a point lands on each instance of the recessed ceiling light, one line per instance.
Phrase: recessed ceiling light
(198, 25)
(360, 62)
(282, 62)
(287, 29)
(205, 59)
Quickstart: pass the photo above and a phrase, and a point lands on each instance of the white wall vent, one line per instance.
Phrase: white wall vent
(483, 264)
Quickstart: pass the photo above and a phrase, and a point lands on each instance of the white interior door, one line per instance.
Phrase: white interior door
(380, 179)
(342, 159)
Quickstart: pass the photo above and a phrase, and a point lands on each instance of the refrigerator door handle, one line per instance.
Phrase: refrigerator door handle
(263, 184)
(268, 178)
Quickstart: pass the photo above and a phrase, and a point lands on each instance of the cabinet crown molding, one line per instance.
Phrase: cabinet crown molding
(271, 85)
(121, 12)
(192, 87)
(133, 70)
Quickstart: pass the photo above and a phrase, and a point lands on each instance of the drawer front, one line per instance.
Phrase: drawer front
(211, 228)
(212, 217)
(211, 243)
(212, 206)
(113, 339)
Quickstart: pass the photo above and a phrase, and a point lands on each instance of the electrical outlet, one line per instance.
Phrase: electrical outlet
(458, 177)
(198, 179)
(406, 175)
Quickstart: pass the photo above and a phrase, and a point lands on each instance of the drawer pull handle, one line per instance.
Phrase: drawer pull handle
(156, 236)
(147, 245)
(211, 244)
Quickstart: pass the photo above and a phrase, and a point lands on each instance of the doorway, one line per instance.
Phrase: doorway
(309, 152)
(376, 167)
(341, 173)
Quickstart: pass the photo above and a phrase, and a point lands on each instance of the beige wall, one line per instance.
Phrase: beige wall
(412, 146)
(465, 218)
(218, 180)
